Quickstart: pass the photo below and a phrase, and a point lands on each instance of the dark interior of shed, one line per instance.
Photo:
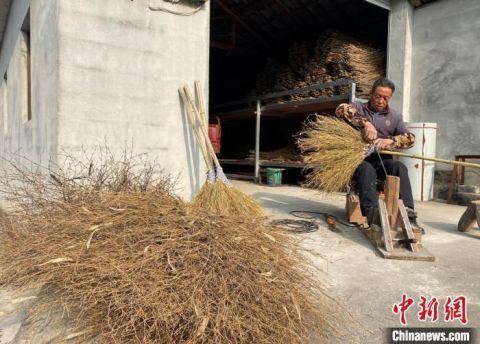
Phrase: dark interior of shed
(248, 35)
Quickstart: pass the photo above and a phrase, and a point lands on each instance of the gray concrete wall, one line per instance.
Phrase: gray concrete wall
(120, 66)
(399, 57)
(35, 139)
(18, 10)
(446, 74)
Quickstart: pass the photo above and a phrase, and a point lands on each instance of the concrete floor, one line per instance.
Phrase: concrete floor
(368, 285)
(364, 286)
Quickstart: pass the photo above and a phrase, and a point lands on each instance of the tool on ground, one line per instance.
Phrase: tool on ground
(330, 222)
(295, 226)
(304, 214)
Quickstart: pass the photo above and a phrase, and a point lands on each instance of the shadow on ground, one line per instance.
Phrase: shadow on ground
(452, 228)
(280, 203)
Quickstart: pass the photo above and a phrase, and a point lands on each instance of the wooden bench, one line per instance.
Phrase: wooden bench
(460, 171)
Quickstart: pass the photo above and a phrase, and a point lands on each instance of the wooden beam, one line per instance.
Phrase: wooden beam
(387, 235)
(234, 49)
(240, 21)
(392, 193)
(407, 227)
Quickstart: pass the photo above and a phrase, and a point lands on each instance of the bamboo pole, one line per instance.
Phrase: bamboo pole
(203, 130)
(203, 111)
(192, 119)
(421, 157)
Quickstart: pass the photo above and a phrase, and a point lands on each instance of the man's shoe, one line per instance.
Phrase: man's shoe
(370, 214)
(412, 217)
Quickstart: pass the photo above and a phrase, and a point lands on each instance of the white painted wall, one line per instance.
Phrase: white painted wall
(105, 73)
(446, 74)
(120, 66)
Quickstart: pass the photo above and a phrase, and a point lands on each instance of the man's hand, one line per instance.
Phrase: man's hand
(369, 131)
(383, 143)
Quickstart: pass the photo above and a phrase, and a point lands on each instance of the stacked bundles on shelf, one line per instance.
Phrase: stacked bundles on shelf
(334, 56)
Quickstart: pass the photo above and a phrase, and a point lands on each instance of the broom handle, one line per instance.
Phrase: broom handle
(203, 129)
(201, 102)
(445, 161)
(191, 120)
(202, 108)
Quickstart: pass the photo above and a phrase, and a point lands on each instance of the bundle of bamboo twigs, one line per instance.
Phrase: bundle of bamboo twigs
(129, 262)
(332, 57)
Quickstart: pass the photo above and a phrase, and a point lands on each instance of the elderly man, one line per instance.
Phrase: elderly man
(384, 127)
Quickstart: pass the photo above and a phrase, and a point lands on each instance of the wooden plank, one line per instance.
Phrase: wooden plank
(354, 212)
(469, 217)
(407, 227)
(387, 236)
(403, 254)
(392, 194)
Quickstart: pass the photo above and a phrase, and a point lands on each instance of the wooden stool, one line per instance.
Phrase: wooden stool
(469, 217)
(461, 174)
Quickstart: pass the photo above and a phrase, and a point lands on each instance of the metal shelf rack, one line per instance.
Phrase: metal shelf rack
(255, 107)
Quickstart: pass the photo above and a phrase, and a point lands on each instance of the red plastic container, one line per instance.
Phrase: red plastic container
(215, 135)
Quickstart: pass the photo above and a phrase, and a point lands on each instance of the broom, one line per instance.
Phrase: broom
(221, 197)
(334, 150)
(206, 189)
(198, 137)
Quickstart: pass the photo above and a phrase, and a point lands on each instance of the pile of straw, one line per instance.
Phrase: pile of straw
(130, 262)
(333, 150)
(333, 56)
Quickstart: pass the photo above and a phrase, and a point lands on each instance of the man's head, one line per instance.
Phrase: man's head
(382, 91)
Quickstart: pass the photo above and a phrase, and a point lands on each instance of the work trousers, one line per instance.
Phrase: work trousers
(371, 170)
